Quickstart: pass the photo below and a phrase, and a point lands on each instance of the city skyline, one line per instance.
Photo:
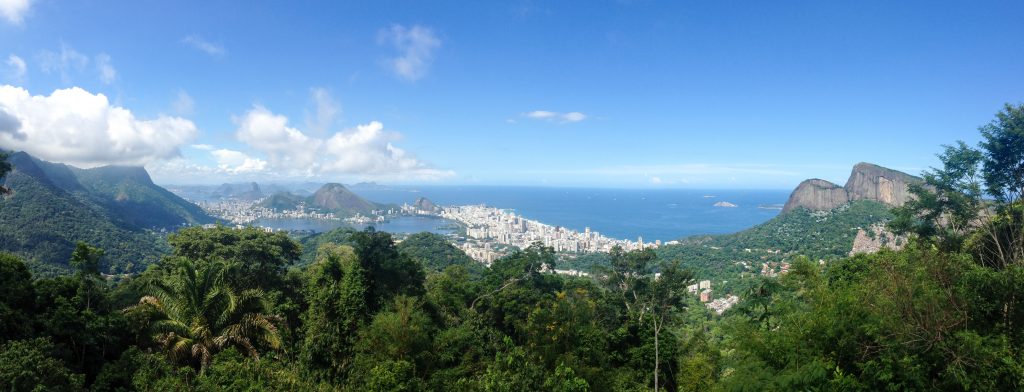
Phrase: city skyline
(596, 94)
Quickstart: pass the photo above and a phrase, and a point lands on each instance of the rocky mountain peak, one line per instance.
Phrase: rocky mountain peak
(867, 182)
(424, 204)
(872, 182)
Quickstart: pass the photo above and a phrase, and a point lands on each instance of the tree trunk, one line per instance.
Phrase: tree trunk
(656, 353)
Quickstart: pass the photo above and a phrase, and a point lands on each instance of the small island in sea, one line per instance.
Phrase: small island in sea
(725, 204)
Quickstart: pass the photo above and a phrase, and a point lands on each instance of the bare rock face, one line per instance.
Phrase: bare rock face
(873, 182)
(874, 239)
(816, 195)
(867, 182)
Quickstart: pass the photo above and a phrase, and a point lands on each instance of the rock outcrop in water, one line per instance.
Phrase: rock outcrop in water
(867, 182)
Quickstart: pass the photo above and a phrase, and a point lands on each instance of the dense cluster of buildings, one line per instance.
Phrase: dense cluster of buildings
(243, 212)
(247, 211)
(494, 225)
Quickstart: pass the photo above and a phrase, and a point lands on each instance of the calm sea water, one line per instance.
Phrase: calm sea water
(618, 213)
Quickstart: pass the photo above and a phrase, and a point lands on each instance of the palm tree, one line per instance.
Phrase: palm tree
(200, 315)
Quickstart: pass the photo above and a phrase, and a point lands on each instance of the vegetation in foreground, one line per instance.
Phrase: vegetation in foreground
(227, 310)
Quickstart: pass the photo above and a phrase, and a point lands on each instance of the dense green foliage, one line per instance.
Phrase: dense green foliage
(435, 252)
(130, 194)
(5, 167)
(311, 244)
(227, 309)
(54, 206)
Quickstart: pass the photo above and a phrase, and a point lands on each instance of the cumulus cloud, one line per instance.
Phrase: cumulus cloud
(285, 147)
(64, 62)
(81, 128)
(569, 117)
(416, 46)
(237, 162)
(105, 67)
(10, 125)
(366, 150)
(16, 68)
(198, 43)
(14, 10)
(325, 110)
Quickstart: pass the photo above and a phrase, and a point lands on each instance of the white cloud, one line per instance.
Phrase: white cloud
(80, 128)
(237, 162)
(416, 46)
(203, 45)
(16, 68)
(286, 147)
(10, 125)
(183, 104)
(366, 150)
(574, 117)
(106, 68)
(14, 10)
(180, 169)
(569, 117)
(325, 110)
(63, 62)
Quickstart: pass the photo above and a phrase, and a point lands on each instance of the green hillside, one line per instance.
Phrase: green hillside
(128, 192)
(282, 201)
(117, 209)
(816, 234)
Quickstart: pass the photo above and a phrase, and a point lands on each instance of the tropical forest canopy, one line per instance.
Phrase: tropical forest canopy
(242, 309)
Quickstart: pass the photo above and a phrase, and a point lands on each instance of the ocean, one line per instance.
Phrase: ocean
(654, 214)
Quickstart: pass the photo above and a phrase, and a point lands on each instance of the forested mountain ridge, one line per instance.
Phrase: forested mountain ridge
(52, 206)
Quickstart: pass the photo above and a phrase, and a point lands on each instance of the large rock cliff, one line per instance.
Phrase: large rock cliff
(817, 195)
(867, 182)
(873, 182)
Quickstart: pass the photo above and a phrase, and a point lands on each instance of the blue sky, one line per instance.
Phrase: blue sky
(709, 94)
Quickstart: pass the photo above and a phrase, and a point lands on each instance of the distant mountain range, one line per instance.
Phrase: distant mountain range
(116, 208)
(331, 197)
(242, 190)
(254, 191)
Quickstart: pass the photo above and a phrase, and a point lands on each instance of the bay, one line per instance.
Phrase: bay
(654, 214)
